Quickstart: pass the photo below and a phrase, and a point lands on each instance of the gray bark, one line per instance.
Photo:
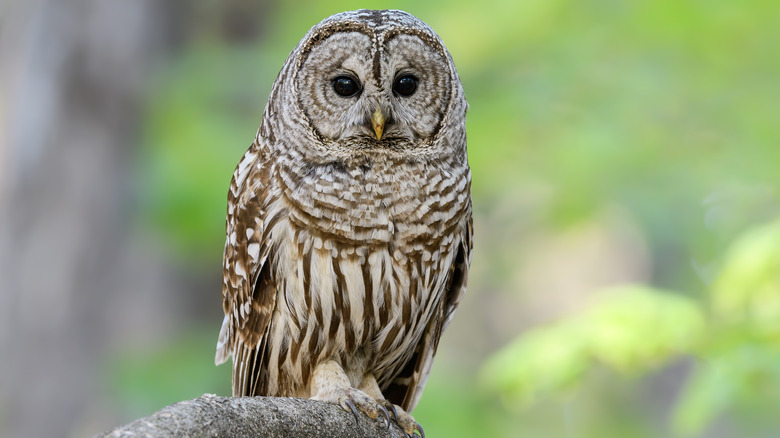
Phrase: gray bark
(71, 75)
(213, 416)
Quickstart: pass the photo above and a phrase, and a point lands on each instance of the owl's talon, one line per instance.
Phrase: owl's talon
(390, 408)
(405, 421)
(351, 407)
(395, 412)
(385, 416)
(419, 428)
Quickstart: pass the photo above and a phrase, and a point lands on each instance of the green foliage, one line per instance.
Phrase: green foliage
(636, 329)
(738, 366)
(747, 292)
(631, 329)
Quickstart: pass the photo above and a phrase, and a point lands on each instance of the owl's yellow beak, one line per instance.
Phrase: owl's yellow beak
(378, 123)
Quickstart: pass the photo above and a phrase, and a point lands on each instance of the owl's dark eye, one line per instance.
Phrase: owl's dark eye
(345, 86)
(405, 85)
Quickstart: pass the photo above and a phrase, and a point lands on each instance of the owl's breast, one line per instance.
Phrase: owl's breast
(361, 261)
(390, 203)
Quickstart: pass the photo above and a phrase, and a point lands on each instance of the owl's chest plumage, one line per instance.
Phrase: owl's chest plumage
(360, 262)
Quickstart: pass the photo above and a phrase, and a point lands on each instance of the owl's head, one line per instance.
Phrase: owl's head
(366, 80)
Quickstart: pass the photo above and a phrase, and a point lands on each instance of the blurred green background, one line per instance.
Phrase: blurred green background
(626, 269)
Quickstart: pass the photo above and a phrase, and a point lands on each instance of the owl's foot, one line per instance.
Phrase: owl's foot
(402, 419)
(330, 383)
(354, 400)
(405, 421)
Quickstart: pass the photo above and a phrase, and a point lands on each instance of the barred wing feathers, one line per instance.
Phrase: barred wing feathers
(249, 294)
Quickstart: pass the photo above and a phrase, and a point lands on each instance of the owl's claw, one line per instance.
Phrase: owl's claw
(385, 415)
(389, 407)
(405, 421)
(395, 412)
(351, 407)
(419, 428)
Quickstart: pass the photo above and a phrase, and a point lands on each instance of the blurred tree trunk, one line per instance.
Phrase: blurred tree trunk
(70, 78)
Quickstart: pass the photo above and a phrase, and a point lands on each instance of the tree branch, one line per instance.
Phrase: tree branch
(213, 416)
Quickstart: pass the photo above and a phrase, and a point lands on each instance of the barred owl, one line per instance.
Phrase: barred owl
(349, 220)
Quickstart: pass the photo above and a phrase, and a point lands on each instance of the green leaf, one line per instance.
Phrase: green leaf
(632, 329)
(748, 288)
(738, 366)
(548, 359)
(636, 328)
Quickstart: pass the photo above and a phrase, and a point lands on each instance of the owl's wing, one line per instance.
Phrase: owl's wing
(406, 389)
(249, 295)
